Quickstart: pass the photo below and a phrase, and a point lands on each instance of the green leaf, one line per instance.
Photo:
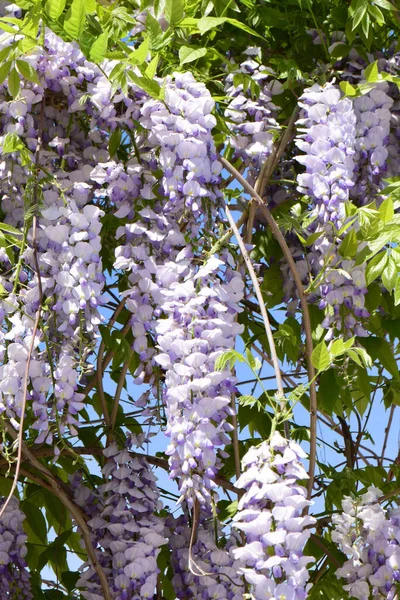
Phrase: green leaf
(36, 520)
(348, 248)
(99, 48)
(347, 88)
(207, 23)
(389, 275)
(376, 14)
(360, 357)
(321, 357)
(375, 267)
(69, 579)
(227, 509)
(4, 70)
(328, 392)
(54, 8)
(153, 29)
(27, 71)
(359, 13)
(152, 67)
(365, 391)
(229, 356)
(254, 363)
(139, 55)
(148, 85)
(380, 350)
(14, 82)
(113, 145)
(397, 292)
(371, 72)
(386, 210)
(247, 400)
(10, 229)
(339, 346)
(75, 19)
(173, 11)
(385, 4)
(188, 54)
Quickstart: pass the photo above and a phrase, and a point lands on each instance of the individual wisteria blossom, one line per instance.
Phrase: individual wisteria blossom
(14, 575)
(127, 533)
(369, 535)
(218, 577)
(251, 114)
(270, 516)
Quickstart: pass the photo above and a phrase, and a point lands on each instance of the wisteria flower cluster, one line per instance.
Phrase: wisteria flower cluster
(183, 317)
(126, 529)
(14, 575)
(68, 285)
(329, 141)
(369, 535)
(270, 516)
(251, 116)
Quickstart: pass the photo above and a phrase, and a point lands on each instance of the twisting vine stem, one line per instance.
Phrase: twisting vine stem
(264, 314)
(304, 306)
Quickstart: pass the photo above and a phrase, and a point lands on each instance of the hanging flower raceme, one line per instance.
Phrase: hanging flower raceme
(14, 576)
(328, 140)
(251, 113)
(170, 298)
(369, 536)
(270, 516)
(213, 573)
(126, 530)
(70, 280)
(200, 325)
(373, 116)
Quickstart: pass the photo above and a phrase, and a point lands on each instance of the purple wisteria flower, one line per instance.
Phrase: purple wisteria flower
(270, 516)
(328, 125)
(67, 240)
(183, 316)
(14, 576)
(369, 536)
(126, 529)
(251, 118)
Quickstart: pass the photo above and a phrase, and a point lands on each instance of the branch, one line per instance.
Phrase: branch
(118, 393)
(107, 359)
(156, 461)
(306, 315)
(387, 431)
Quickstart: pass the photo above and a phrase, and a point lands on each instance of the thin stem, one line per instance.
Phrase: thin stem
(306, 317)
(387, 431)
(235, 437)
(260, 299)
(99, 365)
(118, 393)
